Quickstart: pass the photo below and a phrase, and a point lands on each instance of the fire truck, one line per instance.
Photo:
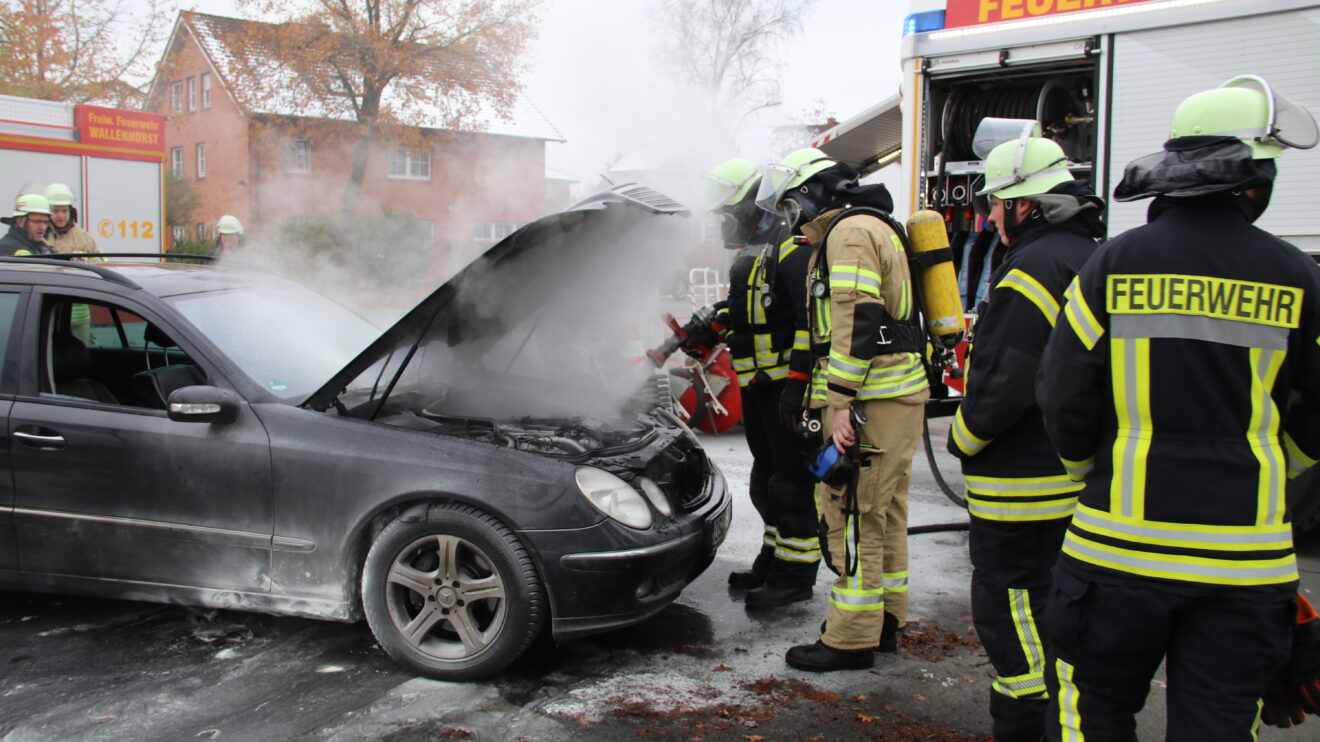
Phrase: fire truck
(112, 159)
(1103, 78)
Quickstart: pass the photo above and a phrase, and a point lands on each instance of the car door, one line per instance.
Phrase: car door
(105, 484)
(10, 303)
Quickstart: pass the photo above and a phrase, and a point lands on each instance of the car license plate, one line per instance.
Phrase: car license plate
(718, 526)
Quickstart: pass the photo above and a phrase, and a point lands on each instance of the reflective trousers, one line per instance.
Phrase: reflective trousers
(781, 489)
(1011, 577)
(871, 543)
(1107, 641)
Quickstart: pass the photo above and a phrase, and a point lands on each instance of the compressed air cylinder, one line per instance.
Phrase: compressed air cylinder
(940, 301)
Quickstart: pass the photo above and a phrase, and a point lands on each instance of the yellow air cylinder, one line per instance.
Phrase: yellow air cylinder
(940, 301)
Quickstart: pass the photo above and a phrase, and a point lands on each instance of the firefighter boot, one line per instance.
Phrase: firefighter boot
(773, 596)
(889, 634)
(821, 657)
(754, 577)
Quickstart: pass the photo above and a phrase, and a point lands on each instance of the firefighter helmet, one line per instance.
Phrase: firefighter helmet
(729, 182)
(1024, 167)
(31, 203)
(1247, 107)
(59, 194)
(789, 173)
(229, 224)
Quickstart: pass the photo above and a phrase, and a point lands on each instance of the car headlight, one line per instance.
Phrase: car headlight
(656, 495)
(613, 496)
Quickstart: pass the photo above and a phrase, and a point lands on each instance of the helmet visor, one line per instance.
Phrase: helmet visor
(1291, 125)
(717, 191)
(774, 183)
(992, 132)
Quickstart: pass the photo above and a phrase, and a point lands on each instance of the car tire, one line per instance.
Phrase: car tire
(454, 596)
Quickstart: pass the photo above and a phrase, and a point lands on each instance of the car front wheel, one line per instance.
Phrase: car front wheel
(454, 596)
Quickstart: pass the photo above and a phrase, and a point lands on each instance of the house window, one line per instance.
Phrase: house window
(192, 94)
(201, 230)
(206, 90)
(201, 159)
(297, 156)
(176, 97)
(488, 233)
(180, 232)
(412, 164)
(176, 162)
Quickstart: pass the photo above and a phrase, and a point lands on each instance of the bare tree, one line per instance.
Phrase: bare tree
(389, 66)
(727, 50)
(79, 50)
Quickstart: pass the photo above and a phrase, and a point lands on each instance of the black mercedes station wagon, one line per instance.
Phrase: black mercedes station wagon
(208, 436)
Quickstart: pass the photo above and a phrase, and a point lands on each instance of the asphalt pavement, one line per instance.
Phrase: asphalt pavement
(705, 669)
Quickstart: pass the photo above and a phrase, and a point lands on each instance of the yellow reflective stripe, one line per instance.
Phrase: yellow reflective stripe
(1024, 623)
(894, 381)
(786, 248)
(1182, 568)
(801, 340)
(897, 243)
(1077, 470)
(904, 300)
(1298, 461)
(1070, 718)
(1130, 369)
(1024, 284)
(1263, 435)
(742, 363)
(1030, 685)
(1051, 509)
(847, 367)
(896, 582)
(846, 277)
(805, 550)
(1053, 484)
(1080, 317)
(1204, 296)
(1264, 537)
(769, 537)
(963, 438)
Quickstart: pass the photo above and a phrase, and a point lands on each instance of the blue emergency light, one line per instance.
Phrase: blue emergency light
(930, 20)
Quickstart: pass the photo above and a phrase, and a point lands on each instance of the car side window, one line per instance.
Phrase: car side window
(110, 354)
(8, 306)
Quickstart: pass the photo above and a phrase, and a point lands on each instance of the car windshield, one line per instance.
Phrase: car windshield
(287, 338)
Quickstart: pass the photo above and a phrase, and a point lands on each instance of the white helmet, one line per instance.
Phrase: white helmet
(229, 224)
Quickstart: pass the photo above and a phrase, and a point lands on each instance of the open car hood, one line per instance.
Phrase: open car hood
(548, 268)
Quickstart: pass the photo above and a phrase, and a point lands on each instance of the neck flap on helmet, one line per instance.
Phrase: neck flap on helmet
(1195, 166)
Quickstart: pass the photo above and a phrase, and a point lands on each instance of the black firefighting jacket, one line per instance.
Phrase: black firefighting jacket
(16, 242)
(768, 312)
(1009, 467)
(1183, 380)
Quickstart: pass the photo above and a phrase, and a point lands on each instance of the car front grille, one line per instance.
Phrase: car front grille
(682, 470)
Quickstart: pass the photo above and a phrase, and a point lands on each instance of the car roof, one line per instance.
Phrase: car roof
(156, 278)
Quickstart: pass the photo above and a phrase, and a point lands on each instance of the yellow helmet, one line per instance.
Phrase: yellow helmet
(1024, 167)
(728, 183)
(792, 171)
(31, 203)
(1247, 107)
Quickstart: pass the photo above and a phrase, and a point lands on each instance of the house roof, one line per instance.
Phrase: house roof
(231, 46)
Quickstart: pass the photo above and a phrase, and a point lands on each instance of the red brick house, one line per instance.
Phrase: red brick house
(291, 162)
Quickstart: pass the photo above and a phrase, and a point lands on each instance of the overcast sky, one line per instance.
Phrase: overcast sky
(596, 75)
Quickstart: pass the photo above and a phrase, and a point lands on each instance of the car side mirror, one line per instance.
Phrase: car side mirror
(203, 404)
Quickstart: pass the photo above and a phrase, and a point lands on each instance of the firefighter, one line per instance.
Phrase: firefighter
(1018, 493)
(767, 304)
(1182, 383)
(65, 236)
(228, 236)
(27, 228)
(866, 366)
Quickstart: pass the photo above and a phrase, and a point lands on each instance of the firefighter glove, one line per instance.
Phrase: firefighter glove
(791, 401)
(1296, 691)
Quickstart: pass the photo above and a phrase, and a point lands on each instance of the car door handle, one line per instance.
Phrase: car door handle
(47, 440)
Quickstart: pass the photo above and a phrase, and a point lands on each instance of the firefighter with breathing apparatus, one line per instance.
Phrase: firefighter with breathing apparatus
(869, 379)
(1019, 495)
(1182, 382)
(766, 306)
